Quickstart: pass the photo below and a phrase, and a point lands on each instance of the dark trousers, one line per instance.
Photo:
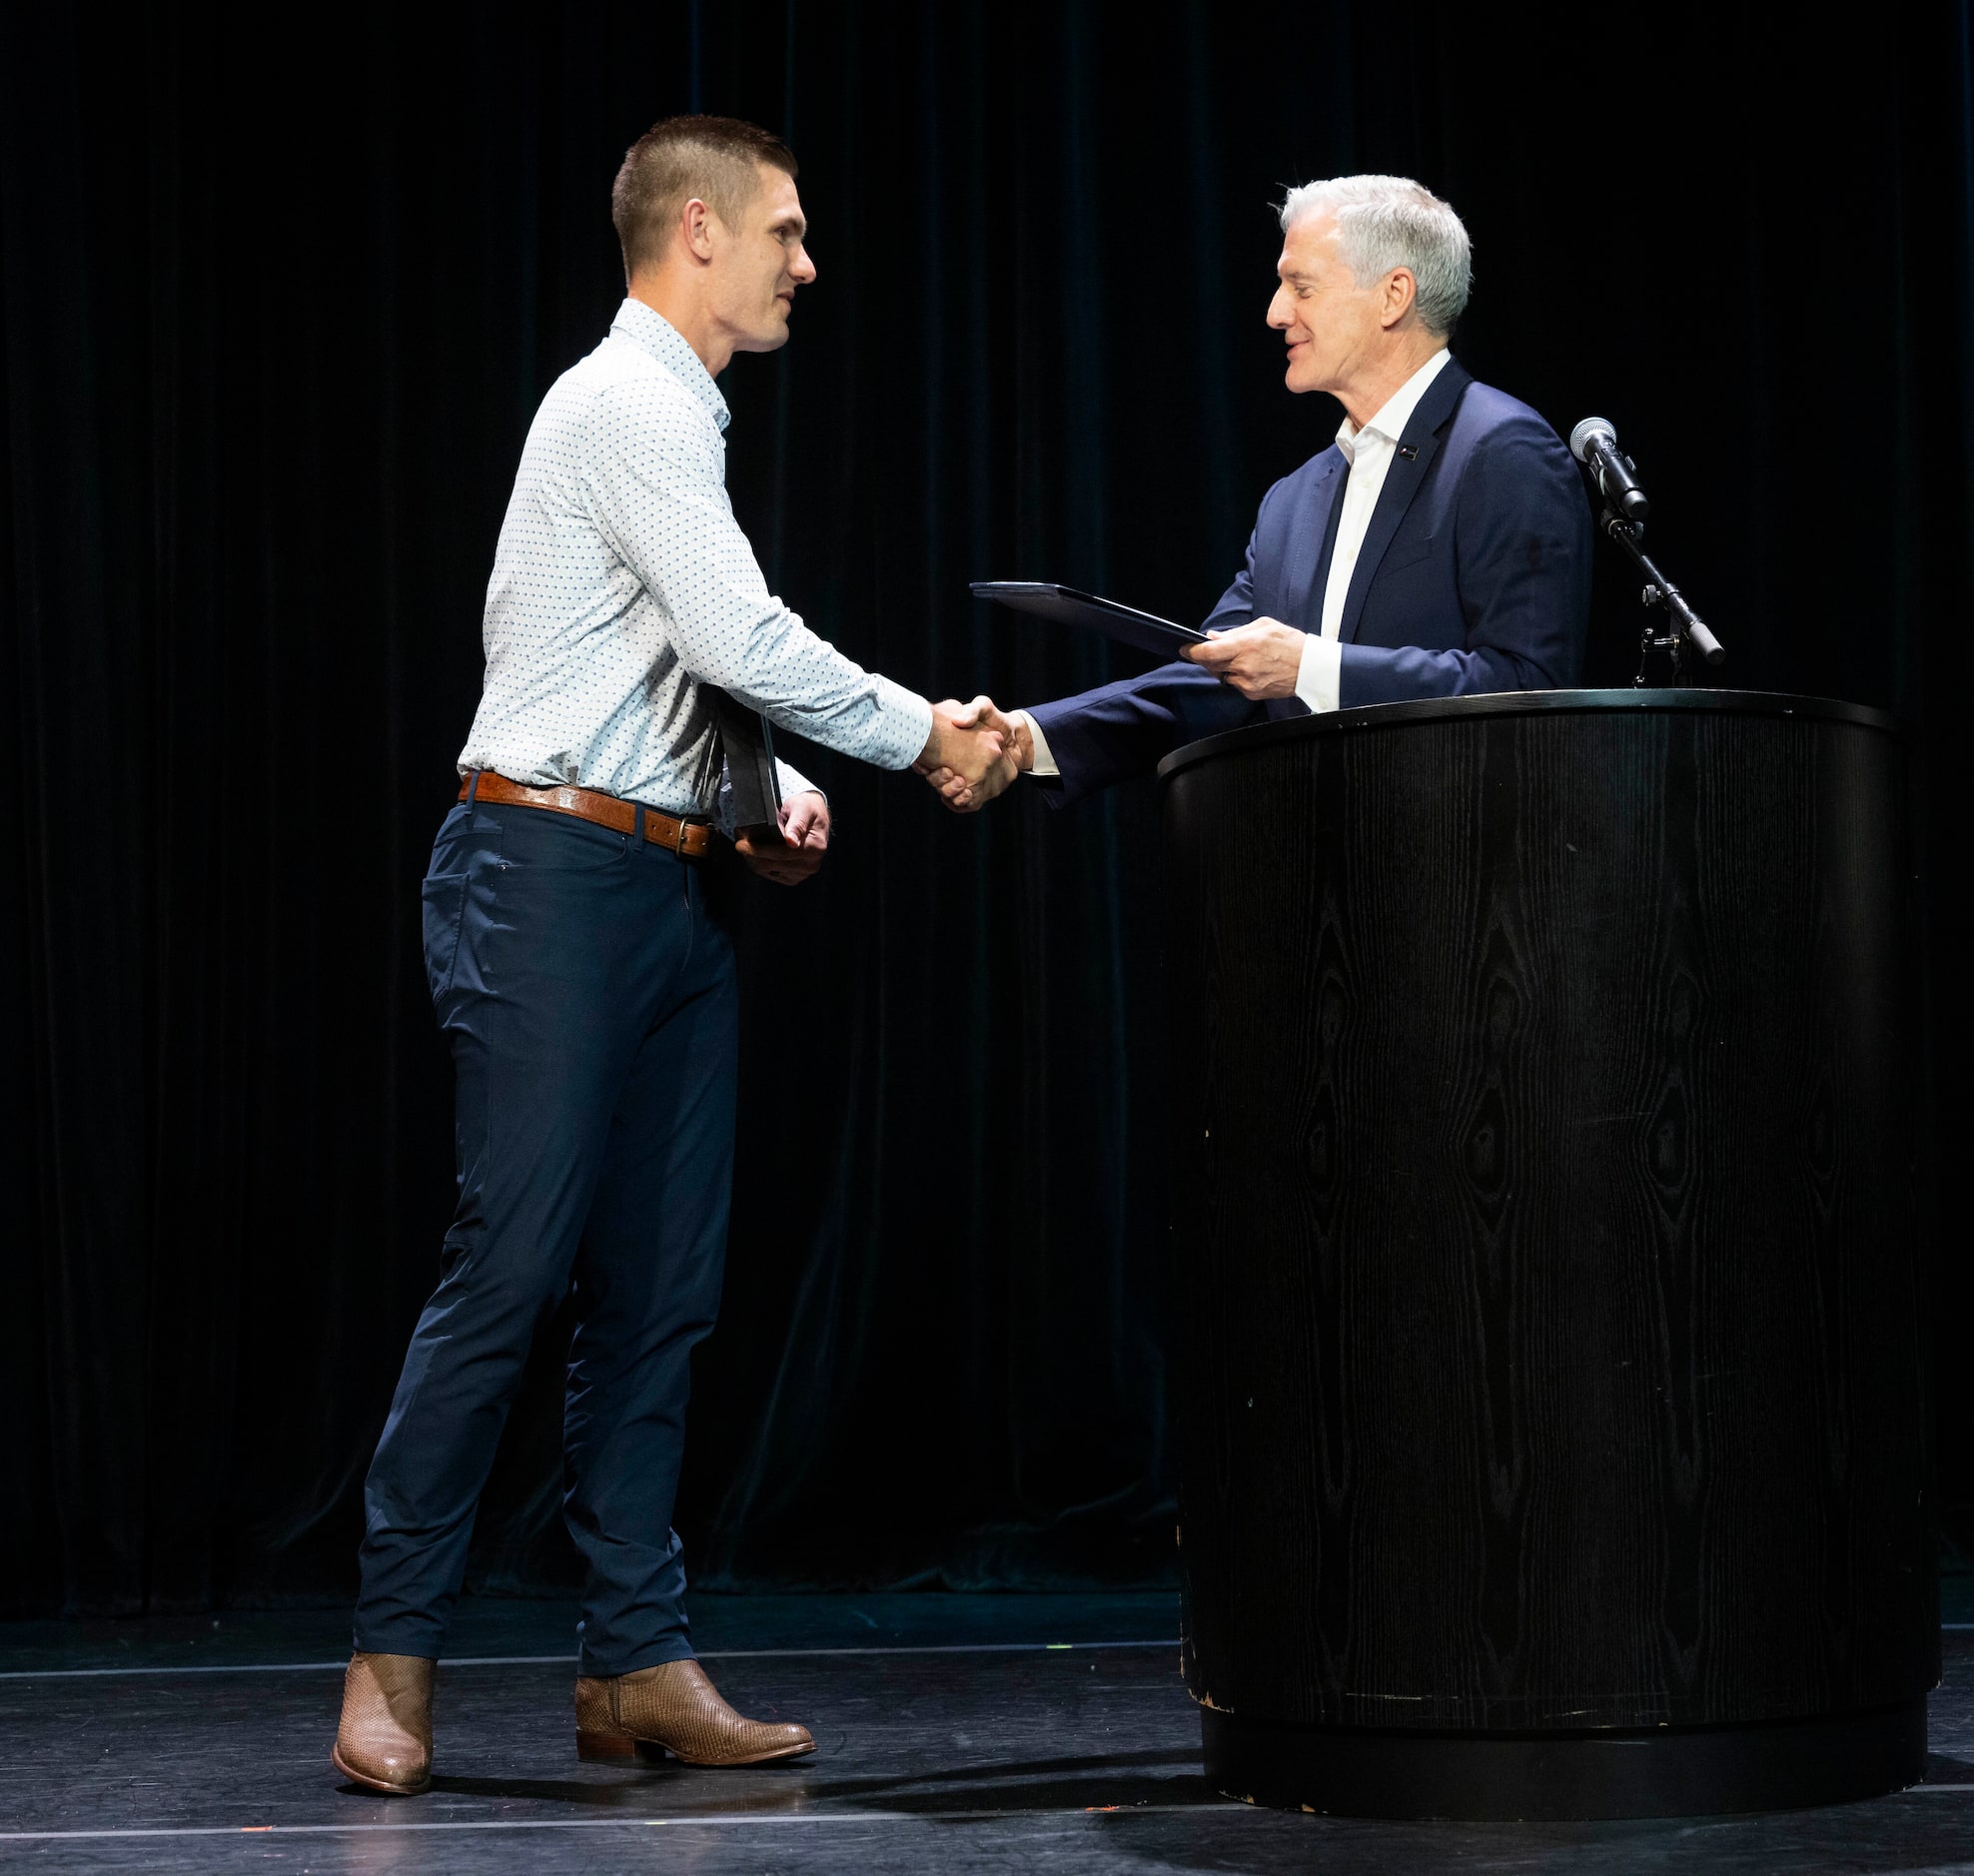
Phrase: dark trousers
(589, 1001)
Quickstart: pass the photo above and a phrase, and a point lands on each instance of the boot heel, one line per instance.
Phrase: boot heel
(617, 1747)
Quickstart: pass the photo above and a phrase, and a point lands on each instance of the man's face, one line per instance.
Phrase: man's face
(1329, 322)
(758, 264)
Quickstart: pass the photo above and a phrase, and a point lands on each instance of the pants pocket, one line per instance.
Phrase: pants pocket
(445, 896)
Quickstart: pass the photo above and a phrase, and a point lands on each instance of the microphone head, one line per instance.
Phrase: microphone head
(1585, 432)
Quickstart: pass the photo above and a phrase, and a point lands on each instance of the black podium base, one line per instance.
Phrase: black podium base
(1665, 1772)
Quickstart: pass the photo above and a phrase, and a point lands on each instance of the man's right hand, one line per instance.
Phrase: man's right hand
(969, 758)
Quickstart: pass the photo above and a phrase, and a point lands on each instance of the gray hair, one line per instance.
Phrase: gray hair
(1390, 221)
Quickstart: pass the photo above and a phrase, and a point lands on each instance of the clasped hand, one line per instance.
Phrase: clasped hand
(971, 755)
(975, 750)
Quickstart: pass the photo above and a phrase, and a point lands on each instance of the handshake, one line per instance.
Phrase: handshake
(973, 754)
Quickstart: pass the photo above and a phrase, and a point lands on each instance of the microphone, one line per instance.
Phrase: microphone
(1594, 444)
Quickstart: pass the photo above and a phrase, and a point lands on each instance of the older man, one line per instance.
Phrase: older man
(588, 994)
(1440, 546)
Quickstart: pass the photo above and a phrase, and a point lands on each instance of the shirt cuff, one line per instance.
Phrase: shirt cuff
(904, 723)
(1321, 675)
(1043, 763)
(793, 783)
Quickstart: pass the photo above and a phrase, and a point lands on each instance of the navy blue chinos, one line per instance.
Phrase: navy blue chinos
(589, 1002)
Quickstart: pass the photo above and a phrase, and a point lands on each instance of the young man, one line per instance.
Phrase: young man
(588, 999)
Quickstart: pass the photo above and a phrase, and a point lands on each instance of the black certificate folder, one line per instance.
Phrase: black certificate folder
(1067, 606)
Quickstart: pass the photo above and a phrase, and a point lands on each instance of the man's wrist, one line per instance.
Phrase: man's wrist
(1035, 757)
(933, 755)
(1022, 745)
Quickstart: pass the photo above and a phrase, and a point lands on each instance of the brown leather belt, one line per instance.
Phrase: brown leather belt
(689, 839)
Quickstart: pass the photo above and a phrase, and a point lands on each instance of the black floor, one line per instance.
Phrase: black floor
(957, 1733)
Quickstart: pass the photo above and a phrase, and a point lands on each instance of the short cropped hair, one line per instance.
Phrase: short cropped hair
(716, 159)
(1384, 222)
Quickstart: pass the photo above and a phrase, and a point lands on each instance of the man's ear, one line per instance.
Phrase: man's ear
(1401, 294)
(695, 228)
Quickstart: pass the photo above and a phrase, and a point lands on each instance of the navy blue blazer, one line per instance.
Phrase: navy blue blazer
(1474, 575)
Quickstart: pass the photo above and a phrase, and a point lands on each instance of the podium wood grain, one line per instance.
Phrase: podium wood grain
(1548, 1351)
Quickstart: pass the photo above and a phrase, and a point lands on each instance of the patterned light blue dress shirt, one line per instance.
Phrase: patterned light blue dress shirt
(622, 584)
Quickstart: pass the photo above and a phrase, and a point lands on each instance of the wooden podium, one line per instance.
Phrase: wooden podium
(1549, 1408)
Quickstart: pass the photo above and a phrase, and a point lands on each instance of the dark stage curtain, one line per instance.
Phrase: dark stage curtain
(281, 296)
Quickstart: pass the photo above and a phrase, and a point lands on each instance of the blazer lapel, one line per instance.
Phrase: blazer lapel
(1417, 448)
(1310, 546)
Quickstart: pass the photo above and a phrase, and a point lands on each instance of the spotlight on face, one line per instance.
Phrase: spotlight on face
(761, 264)
(1319, 308)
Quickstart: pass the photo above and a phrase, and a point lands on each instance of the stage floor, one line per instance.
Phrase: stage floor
(956, 1734)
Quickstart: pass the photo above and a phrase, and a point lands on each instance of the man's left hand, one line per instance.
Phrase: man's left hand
(1261, 660)
(792, 852)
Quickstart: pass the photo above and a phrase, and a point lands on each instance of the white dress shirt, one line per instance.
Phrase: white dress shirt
(1368, 452)
(622, 583)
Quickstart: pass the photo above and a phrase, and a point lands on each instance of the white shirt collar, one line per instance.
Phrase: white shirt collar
(662, 340)
(1389, 423)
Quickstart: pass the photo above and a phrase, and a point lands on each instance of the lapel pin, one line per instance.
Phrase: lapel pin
(1408, 450)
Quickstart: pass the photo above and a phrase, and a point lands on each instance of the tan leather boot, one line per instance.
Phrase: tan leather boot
(385, 1740)
(674, 1708)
